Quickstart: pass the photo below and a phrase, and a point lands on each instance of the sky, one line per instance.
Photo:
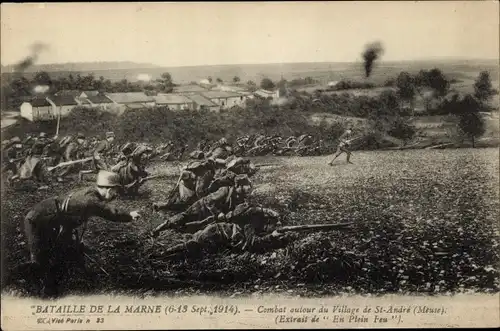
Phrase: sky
(185, 34)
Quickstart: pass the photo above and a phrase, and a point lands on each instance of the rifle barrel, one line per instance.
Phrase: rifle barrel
(314, 227)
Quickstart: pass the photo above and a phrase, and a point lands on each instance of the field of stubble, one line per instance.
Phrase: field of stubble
(425, 221)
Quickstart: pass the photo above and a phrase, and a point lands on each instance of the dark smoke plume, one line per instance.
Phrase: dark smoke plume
(36, 49)
(372, 52)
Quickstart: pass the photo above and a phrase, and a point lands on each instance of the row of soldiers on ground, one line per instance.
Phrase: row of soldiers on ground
(30, 158)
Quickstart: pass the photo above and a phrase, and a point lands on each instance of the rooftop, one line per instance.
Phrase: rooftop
(99, 98)
(201, 100)
(63, 100)
(220, 94)
(130, 97)
(172, 99)
(39, 102)
(91, 93)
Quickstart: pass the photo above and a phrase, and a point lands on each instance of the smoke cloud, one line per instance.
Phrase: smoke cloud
(372, 52)
(27, 62)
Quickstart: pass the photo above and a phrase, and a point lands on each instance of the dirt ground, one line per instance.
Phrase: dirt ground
(426, 221)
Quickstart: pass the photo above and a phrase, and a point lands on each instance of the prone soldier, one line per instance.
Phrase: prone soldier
(215, 204)
(101, 152)
(73, 151)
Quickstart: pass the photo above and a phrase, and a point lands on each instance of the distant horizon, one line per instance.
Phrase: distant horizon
(380, 62)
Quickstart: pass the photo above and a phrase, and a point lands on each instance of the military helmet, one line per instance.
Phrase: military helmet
(42, 135)
(108, 179)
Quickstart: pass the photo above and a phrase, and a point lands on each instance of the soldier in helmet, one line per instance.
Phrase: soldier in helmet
(343, 146)
(53, 222)
(101, 152)
(256, 237)
(73, 151)
(193, 185)
(215, 204)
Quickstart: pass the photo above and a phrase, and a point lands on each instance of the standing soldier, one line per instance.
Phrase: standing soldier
(51, 225)
(101, 152)
(73, 151)
(343, 146)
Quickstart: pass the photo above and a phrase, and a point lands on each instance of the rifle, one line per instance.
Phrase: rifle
(267, 165)
(64, 164)
(140, 181)
(315, 227)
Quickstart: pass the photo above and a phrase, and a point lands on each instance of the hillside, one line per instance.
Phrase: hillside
(324, 72)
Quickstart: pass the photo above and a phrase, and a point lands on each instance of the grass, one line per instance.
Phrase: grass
(425, 221)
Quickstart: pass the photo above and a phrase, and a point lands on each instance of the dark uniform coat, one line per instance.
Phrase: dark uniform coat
(57, 217)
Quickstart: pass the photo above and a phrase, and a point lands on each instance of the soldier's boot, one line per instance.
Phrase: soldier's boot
(349, 157)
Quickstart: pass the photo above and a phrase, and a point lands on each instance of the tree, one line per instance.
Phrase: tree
(483, 90)
(406, 86)
(470, 122)
(166, 82)
(219, 80)
(210, 79)
(251, 83)
(267, 84)
(42, 78)
(236, 79)
(438, 82)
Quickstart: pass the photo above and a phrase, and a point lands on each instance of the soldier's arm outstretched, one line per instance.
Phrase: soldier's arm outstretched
(110, 213)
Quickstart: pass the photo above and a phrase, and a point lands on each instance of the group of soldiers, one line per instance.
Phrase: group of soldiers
(210, 198)
(261, 145)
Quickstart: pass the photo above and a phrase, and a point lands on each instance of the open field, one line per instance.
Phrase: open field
(323, 71)
(425, 221)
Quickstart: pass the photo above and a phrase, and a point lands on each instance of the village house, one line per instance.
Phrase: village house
(265, 94)
(225, 99)
(94, 101)
(68, 93)
(38, 109)
(200, 102)
(174, 101)
(137, 98)
(63, 104)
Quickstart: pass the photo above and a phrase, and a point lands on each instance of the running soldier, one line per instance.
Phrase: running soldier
(343, 147)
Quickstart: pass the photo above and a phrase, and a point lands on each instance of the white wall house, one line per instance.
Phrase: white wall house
(200, 102)
(38, 109)
(174, 101)
(64, 104)
(226, 99)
